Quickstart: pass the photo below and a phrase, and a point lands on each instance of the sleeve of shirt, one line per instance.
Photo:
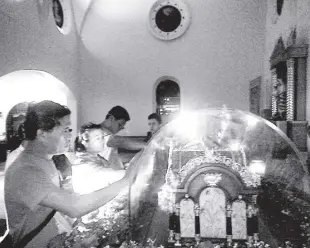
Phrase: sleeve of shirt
(34, 186)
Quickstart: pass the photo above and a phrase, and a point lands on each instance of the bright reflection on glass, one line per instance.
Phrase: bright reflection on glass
(235, 146)
(222, 141)
(182, 153)
(251, 121)
(87, 177)
(257, 167)
(186, 124)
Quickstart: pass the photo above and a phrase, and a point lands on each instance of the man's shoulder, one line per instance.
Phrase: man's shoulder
(23, 165)
(105, 130)
(16, 159)
(24, 159)
(12, 156)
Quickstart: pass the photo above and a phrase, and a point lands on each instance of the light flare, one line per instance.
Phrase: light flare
(186, 125)
(257, 167)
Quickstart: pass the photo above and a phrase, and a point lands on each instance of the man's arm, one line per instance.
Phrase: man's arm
(75, 205)
(126, 143)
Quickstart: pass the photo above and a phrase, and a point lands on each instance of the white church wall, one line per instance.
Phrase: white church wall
(121, 60)
(30, 40)
(295, 14)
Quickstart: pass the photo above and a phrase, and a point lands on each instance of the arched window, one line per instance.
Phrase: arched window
(14, 103)
(279, 6)
(167, 99)
(62, 14)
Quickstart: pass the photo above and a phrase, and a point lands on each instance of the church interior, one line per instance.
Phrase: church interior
(225, 63)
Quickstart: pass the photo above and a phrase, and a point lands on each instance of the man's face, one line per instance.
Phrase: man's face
(117, 125)
(57, 139)
(153, 125)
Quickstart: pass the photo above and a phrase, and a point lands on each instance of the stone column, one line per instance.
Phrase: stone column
(250, 224)
(197, 224)
(290, 100)
(178, 227)
(301, 89)
(274, 106)
(229, 225)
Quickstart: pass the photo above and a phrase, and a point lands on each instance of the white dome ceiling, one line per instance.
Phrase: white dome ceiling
(102, 24)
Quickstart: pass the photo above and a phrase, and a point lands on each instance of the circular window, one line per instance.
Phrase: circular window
(279, 6)
(58, 13)
(62, 15)
(169, 19)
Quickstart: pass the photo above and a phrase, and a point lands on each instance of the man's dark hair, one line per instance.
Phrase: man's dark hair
(21, 132)
(88, 126)
(119, 113)
(155, 116)
(21, 128)
(43, 115)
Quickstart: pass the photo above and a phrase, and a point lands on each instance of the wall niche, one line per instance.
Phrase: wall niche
(288, 78)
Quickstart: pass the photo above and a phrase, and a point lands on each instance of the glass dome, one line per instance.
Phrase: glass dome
(221, 176)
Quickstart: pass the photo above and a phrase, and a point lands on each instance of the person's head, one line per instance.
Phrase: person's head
(89, 139)
(154, 122)
(48, 123)
(92, 140)
(116, 119)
